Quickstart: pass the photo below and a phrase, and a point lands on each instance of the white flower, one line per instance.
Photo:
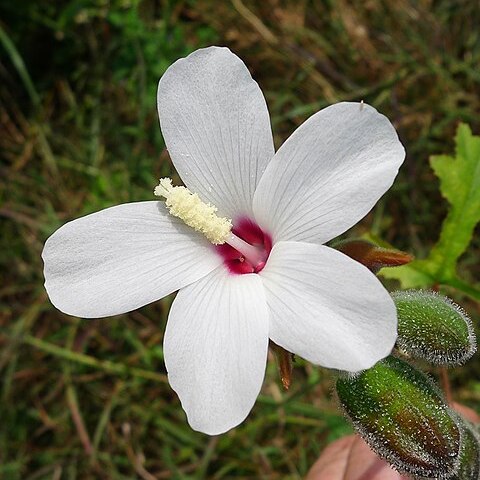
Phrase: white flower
(310, 299)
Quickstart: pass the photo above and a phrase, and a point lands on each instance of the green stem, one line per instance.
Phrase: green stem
(19, 65)
(105, 365)
(463, 287)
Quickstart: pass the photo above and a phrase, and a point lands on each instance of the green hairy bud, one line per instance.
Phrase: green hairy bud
(469, 468)
(400, 413)
(433, 327)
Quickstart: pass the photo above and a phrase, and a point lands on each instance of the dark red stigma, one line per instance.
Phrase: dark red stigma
(249, 231)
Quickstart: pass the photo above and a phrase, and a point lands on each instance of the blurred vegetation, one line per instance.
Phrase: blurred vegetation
(79, 132)
(459, 177)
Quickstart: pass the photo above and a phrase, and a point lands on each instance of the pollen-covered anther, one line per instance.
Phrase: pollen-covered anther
(201, 216)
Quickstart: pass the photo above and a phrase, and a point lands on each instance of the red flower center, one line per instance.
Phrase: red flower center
(251, 233)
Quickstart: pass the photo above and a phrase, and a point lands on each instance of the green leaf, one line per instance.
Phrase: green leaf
(460, 185)
(410, 276)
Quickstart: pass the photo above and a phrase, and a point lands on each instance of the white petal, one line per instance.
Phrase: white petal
(216, 126)
(328, 174)
(327, 308)
(215, 349)
(121, 258)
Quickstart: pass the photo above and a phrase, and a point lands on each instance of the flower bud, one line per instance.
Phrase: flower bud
(432, 327)
(400, 413)
(469, 468)
(371, 255)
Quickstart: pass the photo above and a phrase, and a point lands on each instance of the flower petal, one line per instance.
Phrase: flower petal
(217, 128)
(328, 174)
(327, 308)
(215, 349)
(122, 258)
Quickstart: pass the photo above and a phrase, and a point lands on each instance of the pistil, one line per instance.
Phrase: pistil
(255, 256)
(245, 251)
(201, 216)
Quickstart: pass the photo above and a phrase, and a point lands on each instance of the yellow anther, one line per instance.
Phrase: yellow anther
(201, 216)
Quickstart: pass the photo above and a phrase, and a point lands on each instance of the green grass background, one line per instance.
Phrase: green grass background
(84, 399)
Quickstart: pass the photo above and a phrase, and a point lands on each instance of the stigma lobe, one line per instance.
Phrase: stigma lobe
(251, 233)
